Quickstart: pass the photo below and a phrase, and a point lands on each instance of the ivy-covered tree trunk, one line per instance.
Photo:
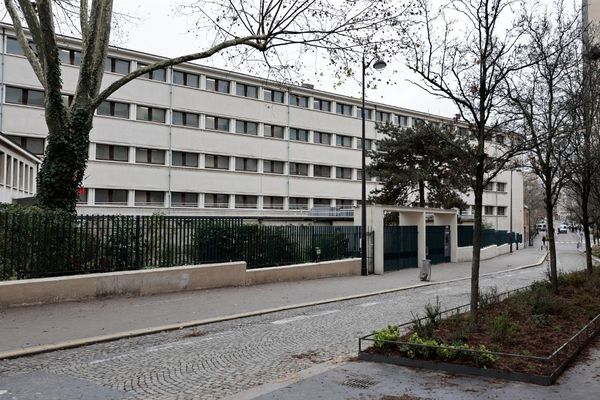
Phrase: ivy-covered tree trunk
(551, 242)
(477, 230)
(65, 161)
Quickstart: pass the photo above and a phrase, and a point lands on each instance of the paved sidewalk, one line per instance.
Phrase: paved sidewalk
(374, 381)
(25, 327)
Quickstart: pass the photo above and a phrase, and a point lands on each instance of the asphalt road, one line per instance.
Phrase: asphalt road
(222, 359)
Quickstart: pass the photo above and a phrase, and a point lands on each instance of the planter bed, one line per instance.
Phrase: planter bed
(527, 335)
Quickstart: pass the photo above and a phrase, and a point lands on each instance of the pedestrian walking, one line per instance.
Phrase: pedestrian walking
(543, 242)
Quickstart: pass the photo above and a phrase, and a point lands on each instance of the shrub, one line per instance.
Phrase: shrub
(544, 302)
(382, 337)
(424, 326)
(502, 328)
(489, 297)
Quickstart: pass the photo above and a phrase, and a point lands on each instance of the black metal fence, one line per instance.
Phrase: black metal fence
(489, 237)
(38, 244)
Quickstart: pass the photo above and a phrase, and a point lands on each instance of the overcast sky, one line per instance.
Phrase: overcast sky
(157, 29)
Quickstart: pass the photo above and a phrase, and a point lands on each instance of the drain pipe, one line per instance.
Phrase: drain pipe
(170, 165)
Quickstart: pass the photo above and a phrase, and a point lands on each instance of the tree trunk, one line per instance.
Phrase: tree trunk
(586, 232)
(65, 161)
(421, 193)
(477, 230)
(551, 245)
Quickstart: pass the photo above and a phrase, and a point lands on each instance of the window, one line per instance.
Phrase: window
(13, 46)
(111, 196)
(298, 100)
(322, 171)
(246, 164)
(212, 200)
(368, 142)
(359, 175)
(245, 201)
(29, 97)
(183, 199)
(274, 96)
(488, 210)
(113, 109)
(323, 105)
(274, 131)
(186, 79)
(247, 127)
(321, 203)
(149, 198)
(418, 122)
(217, 123)
(112, 152)
(216, 162)
(298, 203)
(368, 113)
(151, 114)
(184, 159)
(242, 89)
(156, 75)
(298, 169)
(344, 109)
(381, 116)
(32, 145)
(300, 135)
(82, 195)
(501, 187)
(273, 167)
(343, 141)
(501, 211)
(217, 85)
(402, 120)
(500, 139)
(344, 203)
(489, 186)
(272, 203)
(69, 57)
(149, 156)
(185, 119)
(343, 173)
(116, 65)
(322, 138)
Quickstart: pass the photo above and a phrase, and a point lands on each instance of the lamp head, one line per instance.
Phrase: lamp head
(379, 65)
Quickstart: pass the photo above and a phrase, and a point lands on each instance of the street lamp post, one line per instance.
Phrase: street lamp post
(379, 65)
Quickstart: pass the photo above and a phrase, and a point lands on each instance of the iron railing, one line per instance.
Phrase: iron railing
(36, 245)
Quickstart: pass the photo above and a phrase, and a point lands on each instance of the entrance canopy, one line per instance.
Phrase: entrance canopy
(408, 216)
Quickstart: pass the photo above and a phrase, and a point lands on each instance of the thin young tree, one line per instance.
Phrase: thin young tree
(541, 101)
(252, 26)
(465, 51)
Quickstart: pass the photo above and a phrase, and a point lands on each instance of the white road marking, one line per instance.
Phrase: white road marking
(3, 392)
(373, 303)
(301, 317)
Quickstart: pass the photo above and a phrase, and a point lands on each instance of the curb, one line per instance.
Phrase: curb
(28, 351)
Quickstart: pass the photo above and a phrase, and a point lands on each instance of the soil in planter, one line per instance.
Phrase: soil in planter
(534, 322)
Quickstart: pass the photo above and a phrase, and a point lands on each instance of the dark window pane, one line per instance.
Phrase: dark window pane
(35, 98)
(178, 77)
(13, 47)
(14, 95)
(121, 67)
(121, 110)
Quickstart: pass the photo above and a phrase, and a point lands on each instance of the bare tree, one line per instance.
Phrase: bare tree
(466, 52)
(541, 101)
(585, 116)
(533, 196)
(336, 27)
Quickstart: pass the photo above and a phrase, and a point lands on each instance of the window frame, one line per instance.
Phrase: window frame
(295, 166)
(340, 109)
(297, 134)
(245, 164)
(110, 194)
(320, 168)
(299, 100)
(184, 159)
(272, 130)
(111, 152)
(216, 123)
(217, 85)
(245, 125)
(185, 203)
(151, 112)
(216, 158)
(184, 119)
(185, 75)
(318, 137)
(341, 139)
(149, 153)
(340, 173)
(112, 107)
(321, 102)
(244, 92)
(273, 163)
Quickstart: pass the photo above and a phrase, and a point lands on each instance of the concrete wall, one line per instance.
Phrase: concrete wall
(465, 254)
(162, 280)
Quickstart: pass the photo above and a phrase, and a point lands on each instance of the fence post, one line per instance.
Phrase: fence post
(137, 242)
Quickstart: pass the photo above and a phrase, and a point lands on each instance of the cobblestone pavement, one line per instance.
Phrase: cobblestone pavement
(222, 359)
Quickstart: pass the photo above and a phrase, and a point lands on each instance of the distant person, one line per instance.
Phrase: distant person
(543, 242)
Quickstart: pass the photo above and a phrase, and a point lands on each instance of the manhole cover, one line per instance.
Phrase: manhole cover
(361, 382)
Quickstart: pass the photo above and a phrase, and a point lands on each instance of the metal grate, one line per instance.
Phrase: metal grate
(360, 382)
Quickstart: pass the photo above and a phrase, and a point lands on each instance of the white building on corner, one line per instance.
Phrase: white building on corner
(193, 140)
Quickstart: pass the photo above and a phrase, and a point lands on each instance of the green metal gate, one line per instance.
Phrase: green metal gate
(438, 244)
(400, 247)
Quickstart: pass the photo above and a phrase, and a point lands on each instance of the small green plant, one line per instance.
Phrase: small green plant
(484, 357)
(384, 336)
(421, 349)
(502, 328)
(489, 297)
(424, 326)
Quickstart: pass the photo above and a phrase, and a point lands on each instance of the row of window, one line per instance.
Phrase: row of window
(496, 186)
(16, 174)
(111, 152)
(211, 200)
(120, 66)
(32, 97)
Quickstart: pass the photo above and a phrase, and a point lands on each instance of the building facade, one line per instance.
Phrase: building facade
(193, 140)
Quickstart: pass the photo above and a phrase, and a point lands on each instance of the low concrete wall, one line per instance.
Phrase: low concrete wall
(465, 254)
(298, 272)
(162, 280)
